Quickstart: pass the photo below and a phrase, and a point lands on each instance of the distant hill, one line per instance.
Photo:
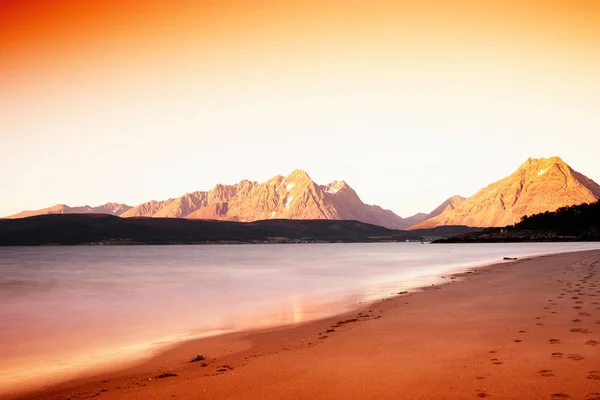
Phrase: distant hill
(538, 185)
(73, 229)
(573, 223)
(108, 208)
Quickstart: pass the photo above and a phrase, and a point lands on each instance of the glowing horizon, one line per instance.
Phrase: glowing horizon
(409, 102)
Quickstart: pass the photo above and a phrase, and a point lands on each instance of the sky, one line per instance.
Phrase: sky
(410, 102)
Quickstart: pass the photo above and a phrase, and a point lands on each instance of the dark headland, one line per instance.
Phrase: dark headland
(80, 229)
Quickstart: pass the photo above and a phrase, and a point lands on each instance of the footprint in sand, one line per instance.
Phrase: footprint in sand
(593, 396)
(556, 355)
(546, 373)
(580, 330)
(577, 307)
(585, 314)
(482, 394)
(224, 368)
(560, 396)
(575, 357)
(594, 375)
(592, 343)
(554, 341)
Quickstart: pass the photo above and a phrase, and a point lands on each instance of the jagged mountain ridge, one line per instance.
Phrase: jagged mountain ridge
(537, 186)
(296, 196)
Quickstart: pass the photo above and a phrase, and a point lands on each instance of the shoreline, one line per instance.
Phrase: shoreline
(274, 242)
(87, 358)
(233, 350)
(158, 346)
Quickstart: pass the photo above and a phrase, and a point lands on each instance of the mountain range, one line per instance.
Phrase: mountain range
(296, 196)
(538, 185)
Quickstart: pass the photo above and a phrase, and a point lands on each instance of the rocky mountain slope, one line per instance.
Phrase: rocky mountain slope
(578, 223)
(449, 204)
(537, 186)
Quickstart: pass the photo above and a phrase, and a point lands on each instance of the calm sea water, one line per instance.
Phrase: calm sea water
(64, 309)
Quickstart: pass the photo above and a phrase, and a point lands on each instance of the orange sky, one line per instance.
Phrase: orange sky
(54, 33)
(60, 36)
(171, 79)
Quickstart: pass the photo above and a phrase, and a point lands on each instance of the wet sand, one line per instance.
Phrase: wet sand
(526, 329)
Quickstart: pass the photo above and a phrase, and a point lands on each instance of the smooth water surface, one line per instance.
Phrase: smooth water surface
(63, 309)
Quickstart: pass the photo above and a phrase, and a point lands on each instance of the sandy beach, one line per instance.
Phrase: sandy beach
(524, 329)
